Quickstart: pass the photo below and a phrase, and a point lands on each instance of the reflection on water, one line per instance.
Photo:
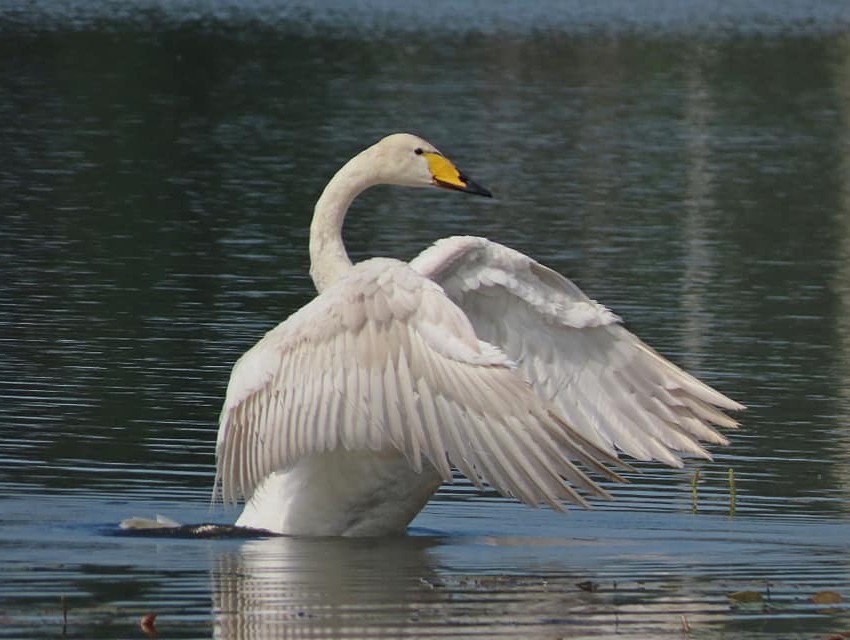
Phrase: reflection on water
(613, 573)
(603, 585)
(283, 587)
(159, 160)
(841, 278)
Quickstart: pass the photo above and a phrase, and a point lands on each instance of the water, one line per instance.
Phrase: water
(687, 165)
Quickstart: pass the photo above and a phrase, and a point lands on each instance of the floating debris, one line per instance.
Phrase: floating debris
(746, 599)
(148, 625)
(165, 527)
(589, 586)
(827, 597)
(160, 522)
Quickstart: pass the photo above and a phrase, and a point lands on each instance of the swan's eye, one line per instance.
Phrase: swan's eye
(418, 151)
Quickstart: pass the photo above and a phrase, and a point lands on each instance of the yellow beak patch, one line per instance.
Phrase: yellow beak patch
(445, 174)
(443, 171)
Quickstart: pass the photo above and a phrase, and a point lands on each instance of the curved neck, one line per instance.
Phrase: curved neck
(328, 258)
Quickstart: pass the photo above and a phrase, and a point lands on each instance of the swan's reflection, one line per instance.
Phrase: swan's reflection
(344, 588)
(294, 587)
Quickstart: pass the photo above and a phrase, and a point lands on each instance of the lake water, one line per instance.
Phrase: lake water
(688, 165)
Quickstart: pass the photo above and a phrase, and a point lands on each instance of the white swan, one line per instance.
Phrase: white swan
(345, 418)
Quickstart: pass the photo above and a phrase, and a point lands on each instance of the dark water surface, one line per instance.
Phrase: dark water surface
(686, 164)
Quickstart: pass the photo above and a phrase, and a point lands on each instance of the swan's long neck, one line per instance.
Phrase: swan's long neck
(328, 257)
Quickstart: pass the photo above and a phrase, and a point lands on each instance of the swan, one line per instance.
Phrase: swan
(344, 419)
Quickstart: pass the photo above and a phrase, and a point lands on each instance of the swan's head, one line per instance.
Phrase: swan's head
(408, 160)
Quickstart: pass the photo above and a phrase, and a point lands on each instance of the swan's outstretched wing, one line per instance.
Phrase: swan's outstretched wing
(618, 392)
(382, 360)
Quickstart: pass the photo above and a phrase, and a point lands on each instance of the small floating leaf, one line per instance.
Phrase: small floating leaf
(148, 625)
(695, 492)
(746, 598)
(827, 597)
(588, 585)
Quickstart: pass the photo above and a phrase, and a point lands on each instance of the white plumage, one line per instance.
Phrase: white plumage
(345, 418)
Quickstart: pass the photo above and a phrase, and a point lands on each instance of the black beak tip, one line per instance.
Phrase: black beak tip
(476, 189)
(466, 186)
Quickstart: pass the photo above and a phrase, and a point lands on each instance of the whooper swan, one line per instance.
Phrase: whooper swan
(346, 417)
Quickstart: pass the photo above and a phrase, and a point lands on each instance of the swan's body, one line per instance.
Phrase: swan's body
(346, 417)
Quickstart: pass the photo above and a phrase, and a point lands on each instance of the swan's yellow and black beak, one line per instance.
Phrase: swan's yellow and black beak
(445, 174)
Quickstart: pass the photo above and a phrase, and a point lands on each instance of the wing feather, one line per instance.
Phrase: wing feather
(411, 422)
(617, 392)
(464, 459)
(384, 360)
(435, 440)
